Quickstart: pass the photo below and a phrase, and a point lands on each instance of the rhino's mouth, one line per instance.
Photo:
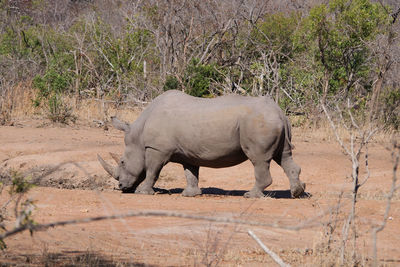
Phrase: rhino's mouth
(132, 188)
(113, 171)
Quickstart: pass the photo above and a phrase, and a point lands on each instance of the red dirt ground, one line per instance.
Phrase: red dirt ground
(73, 185)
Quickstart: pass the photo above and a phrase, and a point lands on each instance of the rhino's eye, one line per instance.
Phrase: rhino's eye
(122, 162)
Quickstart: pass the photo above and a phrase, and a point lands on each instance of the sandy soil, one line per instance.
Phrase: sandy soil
(62, 160)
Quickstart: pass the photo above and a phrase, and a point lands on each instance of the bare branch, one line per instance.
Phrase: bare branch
(368, 174)
(338, 138)
(393, 188)
(353, 122)
(340, 112)
(274, 256)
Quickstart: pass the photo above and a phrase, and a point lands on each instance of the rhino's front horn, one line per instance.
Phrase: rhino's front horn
(110, 169)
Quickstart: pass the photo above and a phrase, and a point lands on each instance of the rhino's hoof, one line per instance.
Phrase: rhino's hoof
(145, 191)
(298, 190)
(191, 192)
(254, 194)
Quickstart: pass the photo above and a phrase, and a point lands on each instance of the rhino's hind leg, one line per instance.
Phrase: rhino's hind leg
(192, 177)
(263, 179)
(292, 171)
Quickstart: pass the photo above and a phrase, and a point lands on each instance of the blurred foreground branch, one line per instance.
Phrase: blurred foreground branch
(274, 256)
(360, 134)
(395, 149)
(310, 223)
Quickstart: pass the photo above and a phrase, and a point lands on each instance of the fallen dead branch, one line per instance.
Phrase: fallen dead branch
(274, 256)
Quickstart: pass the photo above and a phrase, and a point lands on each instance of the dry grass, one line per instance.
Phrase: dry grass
(323, 133)
(67, 258)
(16, 104)
(378, 195)
(93, 110)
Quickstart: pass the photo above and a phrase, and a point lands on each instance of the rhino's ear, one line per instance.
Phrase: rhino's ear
(120, 125)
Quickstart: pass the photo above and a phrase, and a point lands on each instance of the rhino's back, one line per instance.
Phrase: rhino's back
(205, 132)
(175, 103)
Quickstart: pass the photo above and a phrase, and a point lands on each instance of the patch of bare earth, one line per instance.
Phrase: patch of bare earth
(72, 184)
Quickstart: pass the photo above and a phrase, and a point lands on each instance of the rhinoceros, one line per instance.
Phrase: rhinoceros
(212, 132)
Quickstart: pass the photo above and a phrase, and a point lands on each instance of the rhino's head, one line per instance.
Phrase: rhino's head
(130, 170)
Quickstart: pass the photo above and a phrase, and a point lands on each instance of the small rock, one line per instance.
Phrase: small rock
(308, 251)
(390, 218)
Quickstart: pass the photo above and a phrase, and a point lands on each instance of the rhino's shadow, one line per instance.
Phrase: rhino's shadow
(278, 194)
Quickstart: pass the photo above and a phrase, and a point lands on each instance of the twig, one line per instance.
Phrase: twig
(134, 100)
(274, 256)
(41, 227)
(335, 131)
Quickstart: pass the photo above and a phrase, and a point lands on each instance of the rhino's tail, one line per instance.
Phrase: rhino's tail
(286, 124)
(288, 132)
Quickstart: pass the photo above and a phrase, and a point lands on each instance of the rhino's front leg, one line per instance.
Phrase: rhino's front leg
(192, 177)
(146, 187)
(154, 162)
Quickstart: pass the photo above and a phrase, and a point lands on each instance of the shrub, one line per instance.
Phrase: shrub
(50, 87)
(199, 77)
(23, 209)
(58, 111)
(171, 83)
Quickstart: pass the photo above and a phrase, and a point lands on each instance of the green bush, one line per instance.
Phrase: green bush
(51, 87)
(23, 209)
(335, 37)
(58, 111)
(19, 183)
(171, 83)
(50, 83)
(199, 78)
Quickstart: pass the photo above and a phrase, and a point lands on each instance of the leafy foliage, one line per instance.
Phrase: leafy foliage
(19, 183)
(200, 77)
(276, 32)
(171, 83)
(58, 111)
(299, 57)
(336, 35)
(23, 208)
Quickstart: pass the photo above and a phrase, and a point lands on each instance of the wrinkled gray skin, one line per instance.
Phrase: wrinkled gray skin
(194, 132)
